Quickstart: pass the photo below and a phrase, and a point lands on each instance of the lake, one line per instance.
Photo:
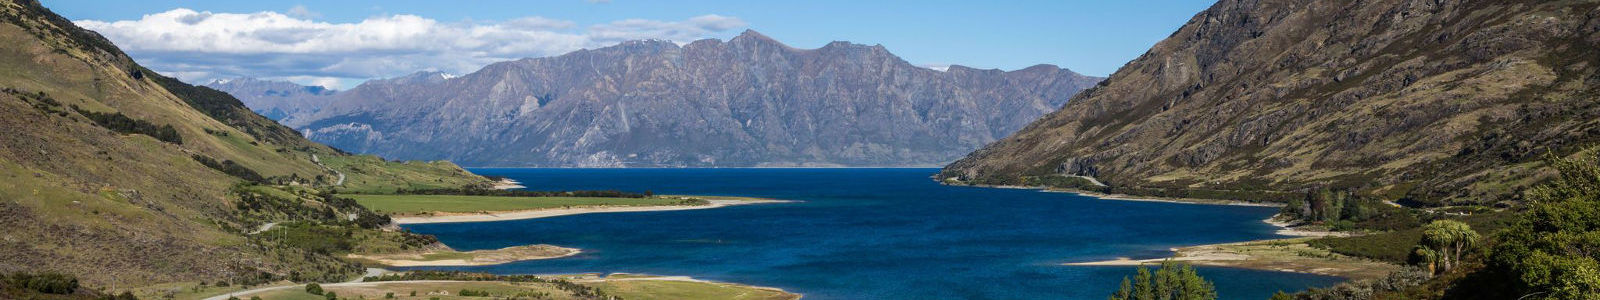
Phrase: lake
(871, 234)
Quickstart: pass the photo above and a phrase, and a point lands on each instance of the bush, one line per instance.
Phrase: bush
(314, 288)
(230, 168)
(48, 283)
(123, 124)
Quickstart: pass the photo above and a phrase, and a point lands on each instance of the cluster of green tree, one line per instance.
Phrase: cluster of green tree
(1550, 250)
(473, 191)
(123, 124)
(1444, 243)
(1343, 210)
(577, 290)
(40, 101)
(48, 282)
(256, 207)
(473, 293)
(1173, 281)
(230, 168)
(1553, 250)
(316, 289)
(51, 285)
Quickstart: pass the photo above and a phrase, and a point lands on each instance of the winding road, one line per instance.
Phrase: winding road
(352, 283)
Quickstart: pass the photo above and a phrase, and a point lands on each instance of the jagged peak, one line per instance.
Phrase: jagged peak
(750, 36)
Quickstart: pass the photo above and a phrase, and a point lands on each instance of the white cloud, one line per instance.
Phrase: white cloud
(201, 46)
(300, 11)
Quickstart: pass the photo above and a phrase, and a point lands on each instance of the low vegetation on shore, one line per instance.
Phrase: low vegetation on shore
(407, 204)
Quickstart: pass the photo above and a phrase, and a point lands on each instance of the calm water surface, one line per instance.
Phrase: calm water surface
(871, 234)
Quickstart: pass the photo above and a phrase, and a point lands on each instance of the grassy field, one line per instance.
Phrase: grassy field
(666, 289)
(369, 174)
(406, 204)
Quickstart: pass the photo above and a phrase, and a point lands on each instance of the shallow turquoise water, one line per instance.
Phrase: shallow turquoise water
(872, 234)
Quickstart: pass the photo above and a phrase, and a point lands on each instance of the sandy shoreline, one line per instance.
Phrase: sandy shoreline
(554, 212)
(1283, 255)
(1122, 197)
(475, 257)
(507, 183)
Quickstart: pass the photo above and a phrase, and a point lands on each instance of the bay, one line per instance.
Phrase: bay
(871, 234)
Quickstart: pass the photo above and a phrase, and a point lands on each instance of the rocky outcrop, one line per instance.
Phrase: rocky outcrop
(1431, 102)
(749, 101)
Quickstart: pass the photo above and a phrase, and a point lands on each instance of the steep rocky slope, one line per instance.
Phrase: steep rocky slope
(275, 99)
(750, 101)
(1427, 102)
(124, 177)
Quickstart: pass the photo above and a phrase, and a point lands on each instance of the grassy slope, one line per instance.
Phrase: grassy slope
(452, 203)
(370, 174)
(127, 209)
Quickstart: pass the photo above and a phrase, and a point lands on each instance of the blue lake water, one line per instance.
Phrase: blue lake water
(871, 234)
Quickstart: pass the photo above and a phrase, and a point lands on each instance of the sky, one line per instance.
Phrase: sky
(339, 44)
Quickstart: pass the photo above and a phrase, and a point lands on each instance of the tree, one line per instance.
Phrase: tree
(1124, 292)
(1173, 281)
(1423, 256)
(314, 288)
(331, 295)
(1142, 287)
(1448, 239)
(1553, 250)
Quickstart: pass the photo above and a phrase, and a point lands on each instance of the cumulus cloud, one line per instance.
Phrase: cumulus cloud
(200, 46)
(300, 11)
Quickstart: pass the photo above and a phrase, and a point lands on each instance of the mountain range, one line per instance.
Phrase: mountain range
(1421, 102)
(275, 99)
(748, 102)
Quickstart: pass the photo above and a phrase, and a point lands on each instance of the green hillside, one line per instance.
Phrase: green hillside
(123, 177)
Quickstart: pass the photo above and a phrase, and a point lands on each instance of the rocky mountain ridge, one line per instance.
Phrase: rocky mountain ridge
(1424, 102)
(748, 101)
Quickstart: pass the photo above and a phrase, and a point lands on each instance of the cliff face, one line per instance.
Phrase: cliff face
(750, 101)
(1423, 101)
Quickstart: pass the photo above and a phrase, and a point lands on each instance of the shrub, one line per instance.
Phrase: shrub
(314, 288)
(123, 124)
(230, 168)
(49, 282)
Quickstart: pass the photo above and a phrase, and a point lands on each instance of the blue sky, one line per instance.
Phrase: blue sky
(322, 42)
